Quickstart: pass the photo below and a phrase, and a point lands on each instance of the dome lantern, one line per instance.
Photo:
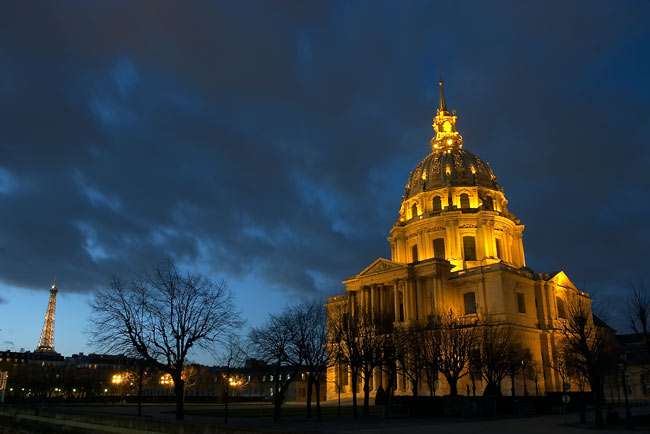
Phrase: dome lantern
(444, 124)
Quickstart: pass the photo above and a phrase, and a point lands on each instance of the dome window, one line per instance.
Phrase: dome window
(414, 210)
(439, 248)
(414, 253)
(437, 203)
(498, 247)
(488, 204)
(464, 201)
(469, 248)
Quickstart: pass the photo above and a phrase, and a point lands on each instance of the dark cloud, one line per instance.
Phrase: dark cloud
(273, 139)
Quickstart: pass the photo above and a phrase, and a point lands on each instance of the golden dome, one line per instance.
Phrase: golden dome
(450, 168)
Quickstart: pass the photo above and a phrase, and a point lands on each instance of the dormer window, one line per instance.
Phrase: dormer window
(488, 204)
(437, 203)
(464, 201)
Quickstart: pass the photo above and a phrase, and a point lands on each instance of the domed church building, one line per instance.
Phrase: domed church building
(457, 246)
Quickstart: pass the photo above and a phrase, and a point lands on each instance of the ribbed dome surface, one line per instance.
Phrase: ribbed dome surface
(450, 167)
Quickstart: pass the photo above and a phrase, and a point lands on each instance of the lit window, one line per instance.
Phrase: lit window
(414, 253)
(469, 298)
(437, 203)
(439, 248)
(521, 302)
(497, 243)
(464, 201)
(469, 248)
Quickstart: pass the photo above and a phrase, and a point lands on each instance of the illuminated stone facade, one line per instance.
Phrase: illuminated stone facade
(456, 245)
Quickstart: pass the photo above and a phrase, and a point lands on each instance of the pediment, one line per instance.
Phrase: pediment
(561, 279)
(380, 265)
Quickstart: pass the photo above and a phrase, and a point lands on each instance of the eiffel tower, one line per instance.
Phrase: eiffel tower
(46, 342)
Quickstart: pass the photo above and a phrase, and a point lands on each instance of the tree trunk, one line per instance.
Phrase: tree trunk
(317, 383)
(355, 385)
(512, 384)
(140, 381)
(277, 403)
(414, 388)
(226, 398)
(338, 408)
(598, 402)
(309, 386)
(179, 391)
(453, 386)
(366, 394)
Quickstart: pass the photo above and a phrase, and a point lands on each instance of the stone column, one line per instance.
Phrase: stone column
(395, 300)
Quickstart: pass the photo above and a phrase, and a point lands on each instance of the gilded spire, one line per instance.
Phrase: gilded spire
(442, 104)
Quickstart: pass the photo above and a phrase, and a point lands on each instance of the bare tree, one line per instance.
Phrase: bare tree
(517, 358)
(370, 337)
(161, 318)
(344, 330)
(231, 359)
(310, 340)
(274, 343)
(589, 348)
(411, 353)
(495, 356)
(431, 354)
(639, 311)
(456, 340)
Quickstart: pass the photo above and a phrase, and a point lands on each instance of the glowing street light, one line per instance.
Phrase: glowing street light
(118, 379)
(166, 380)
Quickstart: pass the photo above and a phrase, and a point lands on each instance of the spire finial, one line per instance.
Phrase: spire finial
(442, 104)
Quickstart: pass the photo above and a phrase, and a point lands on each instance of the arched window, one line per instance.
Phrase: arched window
(439, 248)
(414, 210)
(414, 253)
(464, 201)
(437, 203)
(561, 308)
(469, 248)
(488, 204)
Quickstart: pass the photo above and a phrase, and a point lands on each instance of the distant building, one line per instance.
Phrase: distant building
(635, 366)
(255, 381)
